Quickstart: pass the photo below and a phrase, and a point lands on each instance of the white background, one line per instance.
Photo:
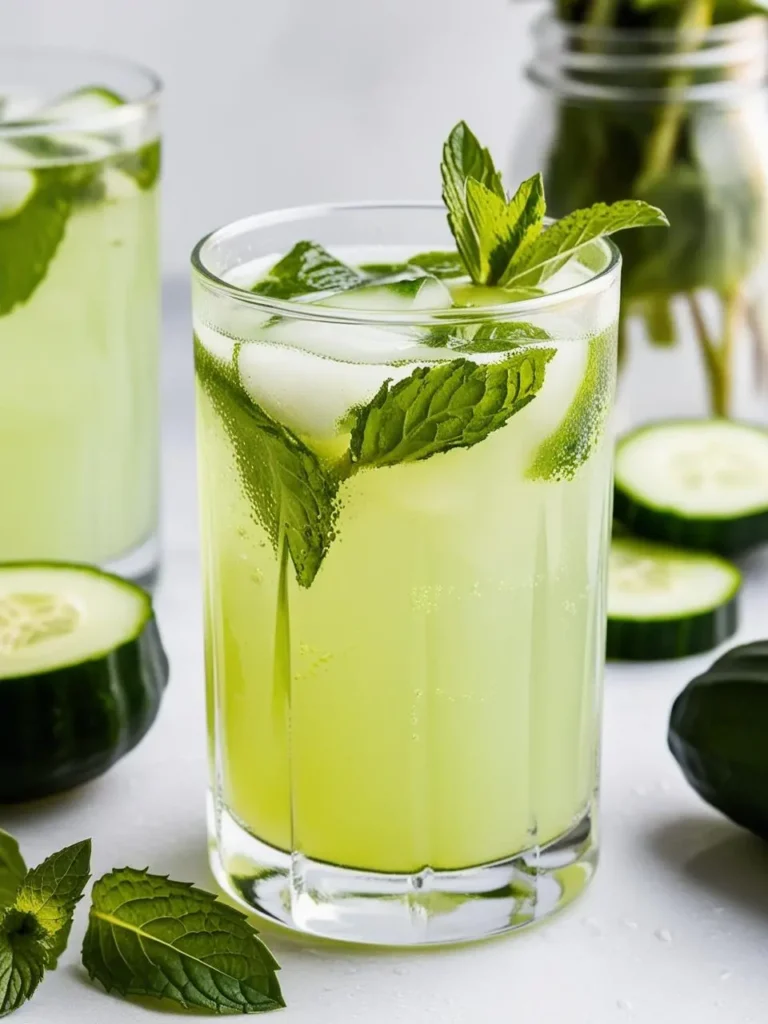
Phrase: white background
(273, 102)
(279, 102)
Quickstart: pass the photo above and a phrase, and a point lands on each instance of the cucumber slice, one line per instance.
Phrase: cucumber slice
(667, 603)
(702, 484)
(82, 672)
(16, 189)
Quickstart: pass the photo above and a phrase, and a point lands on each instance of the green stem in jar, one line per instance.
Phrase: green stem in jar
(696, 17)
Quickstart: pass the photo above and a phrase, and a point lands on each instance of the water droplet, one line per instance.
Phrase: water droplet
(725, 975)
(593, 926)
(400, 970)
(640, 790)
(718, 910)
(632, 925)
(327, 988)
(624, 1004)
(350, 969)
(663, 935)
(665, 786)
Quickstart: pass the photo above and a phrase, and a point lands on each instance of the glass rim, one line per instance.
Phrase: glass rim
(298, 310)
(117, 117)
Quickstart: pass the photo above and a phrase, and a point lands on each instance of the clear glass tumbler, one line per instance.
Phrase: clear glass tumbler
(79, 310)
(405, 643)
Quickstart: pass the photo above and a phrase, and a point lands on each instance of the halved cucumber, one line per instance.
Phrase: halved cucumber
(702, 484)
(81, 105)
(667, 603)
(82, 672)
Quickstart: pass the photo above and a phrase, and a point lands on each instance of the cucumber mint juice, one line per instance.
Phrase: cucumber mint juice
(405, 477)
(79, 303)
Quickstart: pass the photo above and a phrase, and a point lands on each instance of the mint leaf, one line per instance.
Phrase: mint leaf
(30, 238)
(557, 244)
(150, 936)
(12, 869)
(506, 231)
(307, 268)
(282, 479)
(563, 453)
(51, 891)
(23, 960)
(464, 158)
(143, 165)
(34, 930)
(450, 405)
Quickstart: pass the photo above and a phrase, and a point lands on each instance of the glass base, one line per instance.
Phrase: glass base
(428, 908)
(141, 565)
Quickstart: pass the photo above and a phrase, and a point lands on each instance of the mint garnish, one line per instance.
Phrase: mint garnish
(34, 928)
(307, 268)
(563, 240)
(12, 869)
(450, 405)
(286, 486)
(505, 242)
(150, 936)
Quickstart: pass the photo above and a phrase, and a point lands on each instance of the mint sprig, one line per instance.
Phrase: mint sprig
(505, 242)
(150, 936)
(34, 928)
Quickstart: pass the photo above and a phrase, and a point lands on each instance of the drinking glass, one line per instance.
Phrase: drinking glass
(79, 310)
(404, 645)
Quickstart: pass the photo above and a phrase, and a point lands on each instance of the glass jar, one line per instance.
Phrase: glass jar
(405, 638)
(677, 118)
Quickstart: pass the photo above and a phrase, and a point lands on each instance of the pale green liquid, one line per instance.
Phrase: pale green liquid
(78, 392)
(433, 698)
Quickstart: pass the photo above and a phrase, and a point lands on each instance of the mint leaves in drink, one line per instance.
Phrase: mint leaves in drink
(147, 936)
(451, 405)
(307, 268)
(150, 936)
(36, 919)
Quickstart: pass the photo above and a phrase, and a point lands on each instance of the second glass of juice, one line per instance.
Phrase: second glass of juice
(406, 505)
(79, 310)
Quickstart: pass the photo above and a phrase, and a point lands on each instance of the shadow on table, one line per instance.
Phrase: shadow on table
(730, 864)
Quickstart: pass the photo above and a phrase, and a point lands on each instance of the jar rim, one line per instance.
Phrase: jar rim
(571, 60)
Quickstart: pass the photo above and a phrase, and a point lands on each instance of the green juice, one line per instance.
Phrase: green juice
(431, 700)
(79, 351)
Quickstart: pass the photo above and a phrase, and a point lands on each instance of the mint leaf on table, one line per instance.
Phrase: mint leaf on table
(51, 891)
(450, 405)
(287, 488)
(307, 268)
(35, 927)
(150, 936)
(465, 158)
(12, 869)
(506, 231)
(562, 241)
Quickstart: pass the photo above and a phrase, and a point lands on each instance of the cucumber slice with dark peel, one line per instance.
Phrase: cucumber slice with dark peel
(700, 484)
(717, 735)
(667, 603)
(82, 673)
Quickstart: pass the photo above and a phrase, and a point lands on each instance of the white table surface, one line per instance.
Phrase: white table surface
(673, 930)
